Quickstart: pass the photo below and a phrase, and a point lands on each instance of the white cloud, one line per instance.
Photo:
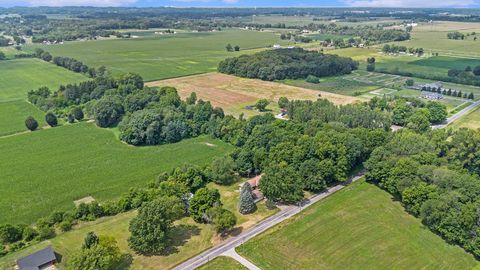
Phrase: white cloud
(55, 3)
(410, 3)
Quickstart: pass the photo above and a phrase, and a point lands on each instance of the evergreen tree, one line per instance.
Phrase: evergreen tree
(247, 204)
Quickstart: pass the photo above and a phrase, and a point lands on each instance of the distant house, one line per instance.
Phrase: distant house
(44, 259)
(257, 194)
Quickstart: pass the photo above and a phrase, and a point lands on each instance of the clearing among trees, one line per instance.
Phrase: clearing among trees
(233, 94)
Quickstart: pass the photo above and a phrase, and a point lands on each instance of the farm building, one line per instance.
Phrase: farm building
(254, 182)
(44, 259)
(431, 95)
(435, 85)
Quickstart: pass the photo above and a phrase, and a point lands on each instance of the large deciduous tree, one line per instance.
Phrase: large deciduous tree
(282, 183)
(103, 254)
(202, 201)
(149, 229)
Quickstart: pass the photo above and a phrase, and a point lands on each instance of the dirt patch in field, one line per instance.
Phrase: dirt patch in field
(230, 92)
(86, 200)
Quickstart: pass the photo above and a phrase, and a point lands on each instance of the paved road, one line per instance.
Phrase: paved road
(260, 227)
(459, 114)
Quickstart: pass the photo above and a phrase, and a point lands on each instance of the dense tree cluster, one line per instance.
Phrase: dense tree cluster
(456, 35)
(411, 112)
(392, 48)
(436, 177)
(283, 64)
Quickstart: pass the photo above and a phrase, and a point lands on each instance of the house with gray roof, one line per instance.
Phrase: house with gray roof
(41, 260)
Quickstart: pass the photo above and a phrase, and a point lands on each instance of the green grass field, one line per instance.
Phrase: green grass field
(13, 115)
(47, 170)
(431, 66)
(471, 120)
(167, 56)
(22, 75)
(445, 62)
(433, 38)
(358, 228)
(222, 263)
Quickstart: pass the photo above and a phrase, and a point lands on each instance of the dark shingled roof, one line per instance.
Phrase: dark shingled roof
(37, 259)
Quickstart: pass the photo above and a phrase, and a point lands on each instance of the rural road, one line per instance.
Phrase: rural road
(459, 114)
(260, 227)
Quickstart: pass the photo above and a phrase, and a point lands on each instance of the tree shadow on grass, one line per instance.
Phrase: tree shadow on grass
(179, 236)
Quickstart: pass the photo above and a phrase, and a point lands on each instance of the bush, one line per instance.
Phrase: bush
(10, 234)
(45, 232)
(77, 113)
(17, 246)
(371, 67)
(51, 119)
(65, 225)
(31, 123)
(29, 234)
(312, 79)
(262, 104)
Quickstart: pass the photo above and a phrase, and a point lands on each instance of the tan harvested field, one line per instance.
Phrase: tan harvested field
(233, 93)
(445, 26)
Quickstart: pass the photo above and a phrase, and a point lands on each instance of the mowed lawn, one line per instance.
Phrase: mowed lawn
(223, 263)
(358, 228)
(47, 170)
(13, 115)
(166, 56)
(22, 75)
(189, 238)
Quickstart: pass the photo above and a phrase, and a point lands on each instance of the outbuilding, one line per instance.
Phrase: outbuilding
(44, 259)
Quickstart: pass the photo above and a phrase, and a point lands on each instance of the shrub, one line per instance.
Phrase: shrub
(51, 119)
(65, 225)
(29, 234)
(77, 113)
(31, 123)
(312, 79)
(10, 234)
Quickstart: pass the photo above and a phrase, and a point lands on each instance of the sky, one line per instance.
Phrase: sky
(248, 3)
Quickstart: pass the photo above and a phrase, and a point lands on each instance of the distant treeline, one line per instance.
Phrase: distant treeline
(281, 64)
